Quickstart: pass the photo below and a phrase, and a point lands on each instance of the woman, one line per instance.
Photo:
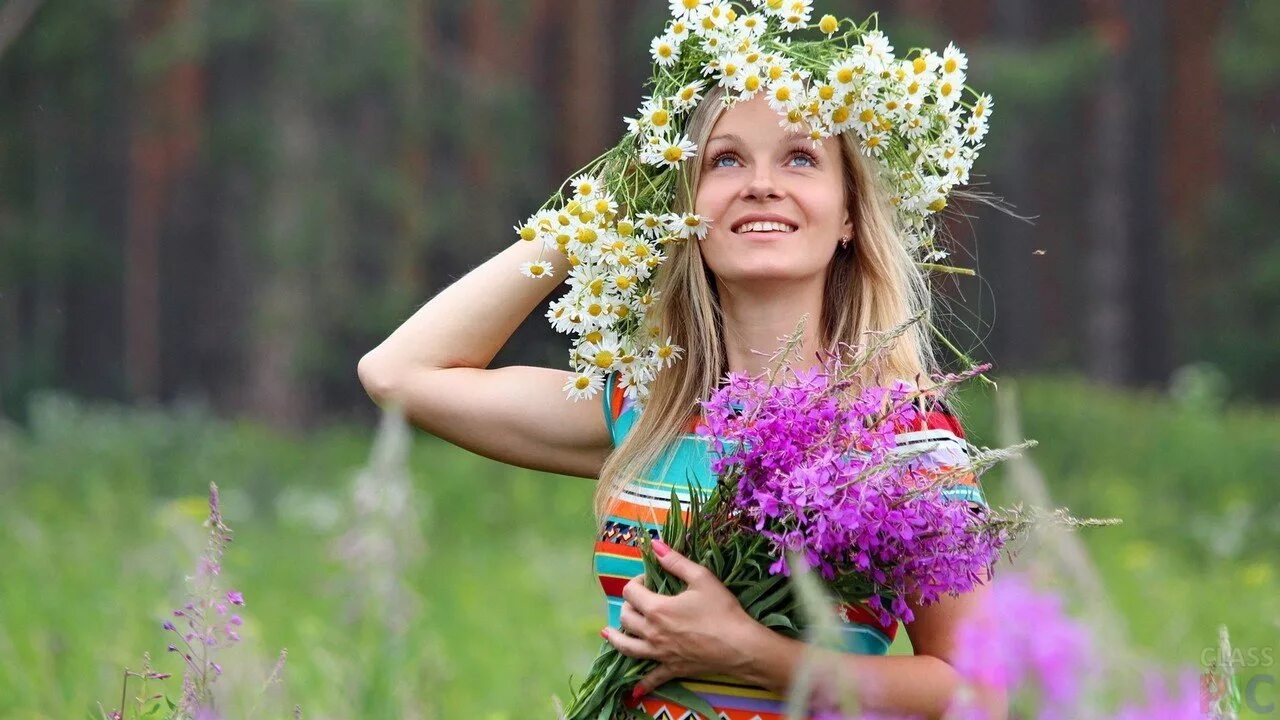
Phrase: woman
(794, 230)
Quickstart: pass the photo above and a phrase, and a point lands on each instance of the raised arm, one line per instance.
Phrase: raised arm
(435, 365)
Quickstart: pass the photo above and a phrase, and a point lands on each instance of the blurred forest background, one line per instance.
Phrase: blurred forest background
(231, 201)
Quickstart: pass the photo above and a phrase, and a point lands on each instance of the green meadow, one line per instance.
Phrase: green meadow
(472, 596)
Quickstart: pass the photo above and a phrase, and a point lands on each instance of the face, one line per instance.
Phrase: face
(752, 166)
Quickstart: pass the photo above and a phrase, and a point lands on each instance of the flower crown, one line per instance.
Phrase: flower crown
(908, 114)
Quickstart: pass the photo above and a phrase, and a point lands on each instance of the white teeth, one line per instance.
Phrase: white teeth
(765, 226)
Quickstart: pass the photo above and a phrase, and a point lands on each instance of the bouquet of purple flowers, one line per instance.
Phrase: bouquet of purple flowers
(807, 466)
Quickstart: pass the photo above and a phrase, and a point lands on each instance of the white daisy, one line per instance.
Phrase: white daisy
(974, 130)
(874, 144)
(687, 97)
(679, 29)
(537, 269)
(654, 114)
(878, 46)
(954, 63)
(586, 185)
(689, 225)
(785, 95)
(604, 355)
(797, 14)
(665, 50)
(666, 353)
(690, 10)
(672, 152)
(584, 386)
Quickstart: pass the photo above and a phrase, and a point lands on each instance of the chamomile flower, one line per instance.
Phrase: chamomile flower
(690, 10)
(604, 355)
(796, 14)
(584, 386)
(672, 152)
(689, 225)
(878, 46)
(786, 95)
(753, 24)
(954, 63)
(679, 29)
(687, 97)
(536, 269)
(651, 224)
(656, 115)
(874, 144)
(982, 108)
(665, 50)
(974, 130)
(666, 353)
(586, 185)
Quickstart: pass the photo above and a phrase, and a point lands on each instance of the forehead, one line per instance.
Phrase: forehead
(752, 122)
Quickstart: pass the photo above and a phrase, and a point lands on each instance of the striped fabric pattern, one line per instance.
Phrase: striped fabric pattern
(642, 507)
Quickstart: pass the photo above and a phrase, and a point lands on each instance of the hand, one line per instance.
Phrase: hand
(695, 632)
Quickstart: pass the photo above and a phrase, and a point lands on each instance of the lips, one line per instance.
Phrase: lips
(764, 223)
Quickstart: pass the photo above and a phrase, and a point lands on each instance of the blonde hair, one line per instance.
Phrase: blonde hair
(873, 285)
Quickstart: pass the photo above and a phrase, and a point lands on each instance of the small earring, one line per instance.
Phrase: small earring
(844, 242)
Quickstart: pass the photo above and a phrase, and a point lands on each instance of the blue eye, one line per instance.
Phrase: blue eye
(813, 162)
(716, 160)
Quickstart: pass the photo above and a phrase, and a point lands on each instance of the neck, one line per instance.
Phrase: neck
(759, 316)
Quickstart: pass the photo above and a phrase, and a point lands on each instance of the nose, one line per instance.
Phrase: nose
(761, 185)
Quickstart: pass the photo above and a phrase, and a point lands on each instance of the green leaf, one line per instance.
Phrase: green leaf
(759, 589)
(778, 620)
(675, 692)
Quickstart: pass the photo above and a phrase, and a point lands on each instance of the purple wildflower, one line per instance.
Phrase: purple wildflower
(818, 472)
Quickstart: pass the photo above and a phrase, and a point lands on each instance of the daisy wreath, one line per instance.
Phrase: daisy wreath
(614, 220)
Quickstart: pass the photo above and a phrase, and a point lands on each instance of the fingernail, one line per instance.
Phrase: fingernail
(636, 692)
(661, 548)
(604, 633)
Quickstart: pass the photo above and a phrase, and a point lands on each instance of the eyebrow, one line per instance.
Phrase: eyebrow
(734, 138)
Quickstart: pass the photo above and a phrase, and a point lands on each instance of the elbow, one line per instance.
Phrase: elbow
(377, 378)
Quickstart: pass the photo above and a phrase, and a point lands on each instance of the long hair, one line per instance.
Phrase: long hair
(873, 285)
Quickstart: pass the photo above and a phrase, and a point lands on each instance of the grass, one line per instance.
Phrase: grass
(100, 511)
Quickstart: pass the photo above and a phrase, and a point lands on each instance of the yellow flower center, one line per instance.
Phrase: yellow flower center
(919, 65)
(949, 65)
(586, 235)
(660, 118)
(752, 83)
(840, 115)
(604, 359)
(535, 270)
(673, 153)
(826, 92)
(528, 232)
(938, 204)
(844, 75)
(582, 383)
(828, 24)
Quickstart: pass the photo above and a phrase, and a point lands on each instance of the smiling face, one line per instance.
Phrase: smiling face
(751, 167)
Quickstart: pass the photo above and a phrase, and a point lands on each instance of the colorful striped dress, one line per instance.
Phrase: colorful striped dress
(642, 507)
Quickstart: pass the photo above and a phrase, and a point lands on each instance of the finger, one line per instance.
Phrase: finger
(679, 565)
(655, 679)
(641, 598)
(637, 625)
(629, 646)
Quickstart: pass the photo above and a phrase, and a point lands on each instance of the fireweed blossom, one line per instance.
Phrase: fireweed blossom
(208, 622)
(816, 470)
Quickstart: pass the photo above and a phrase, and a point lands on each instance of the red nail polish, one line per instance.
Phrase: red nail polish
(637, 692)
(661, 548)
